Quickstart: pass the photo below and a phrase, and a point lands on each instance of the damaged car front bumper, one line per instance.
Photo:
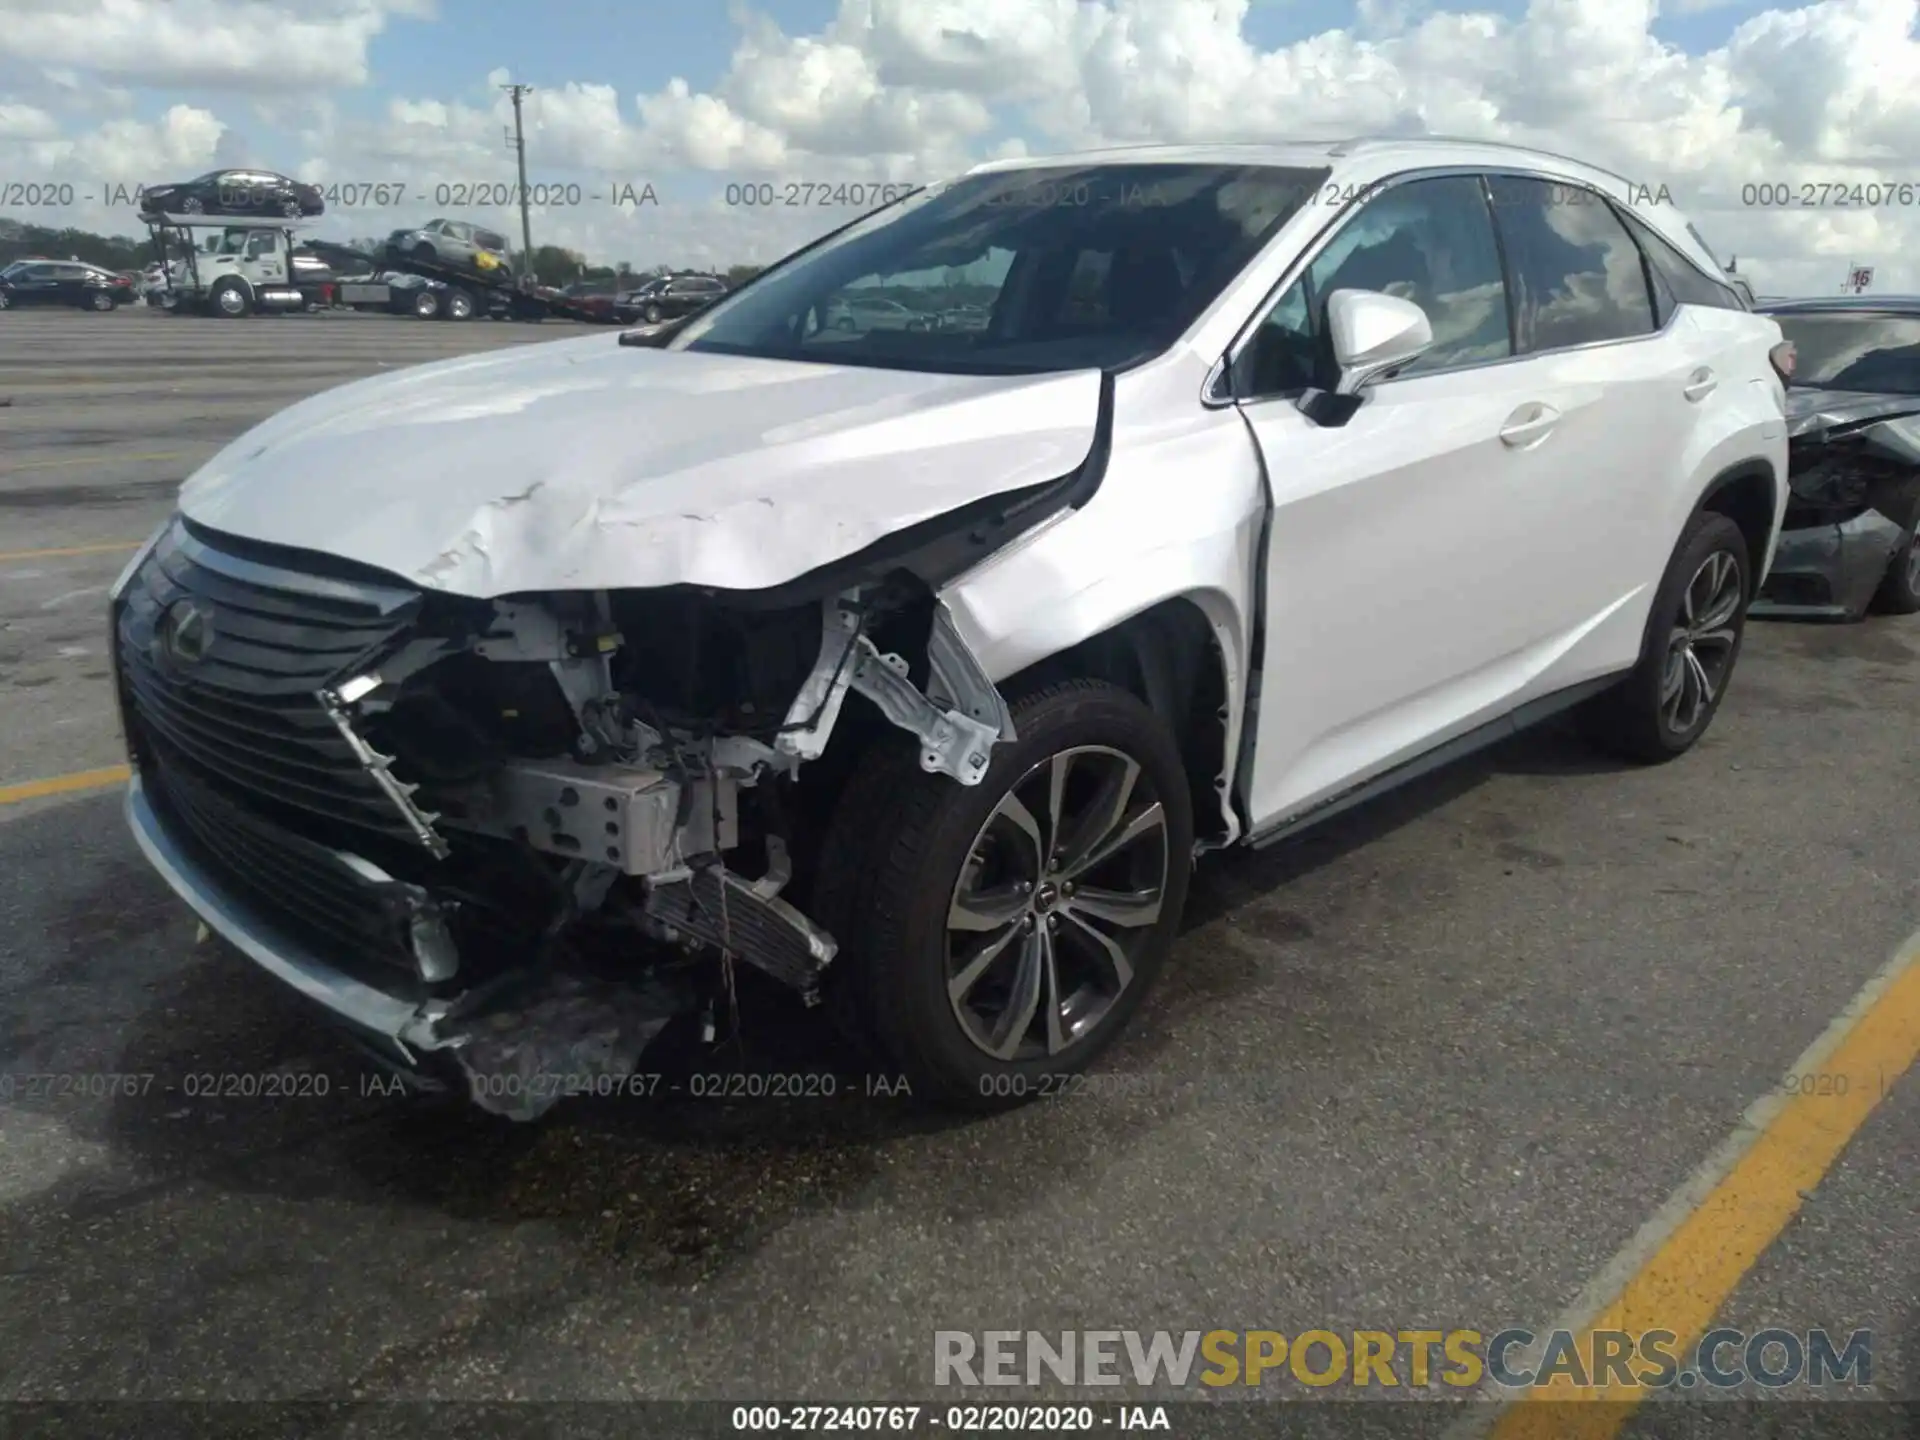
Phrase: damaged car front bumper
(497, 840)
(1854, 497)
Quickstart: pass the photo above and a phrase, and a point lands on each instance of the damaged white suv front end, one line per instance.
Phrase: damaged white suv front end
(508, 706)
(502, 705)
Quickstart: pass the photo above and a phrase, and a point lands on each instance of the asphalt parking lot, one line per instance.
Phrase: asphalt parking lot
(1434, 1066)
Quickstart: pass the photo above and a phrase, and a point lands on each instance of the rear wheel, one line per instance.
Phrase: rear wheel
(100, 300)
(459, 305)
(996, 938)
(1899, 592)
(425, 253)
(6, 301)
(1693, 638)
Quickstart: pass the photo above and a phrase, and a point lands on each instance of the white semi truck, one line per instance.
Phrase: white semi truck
(230, 267)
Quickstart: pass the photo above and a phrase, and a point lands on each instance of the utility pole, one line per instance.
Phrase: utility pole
(518, 142)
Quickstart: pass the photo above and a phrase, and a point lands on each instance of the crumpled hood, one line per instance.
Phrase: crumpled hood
(1815, 414)
(583, 464)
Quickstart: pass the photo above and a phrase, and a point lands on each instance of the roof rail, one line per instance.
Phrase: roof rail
(1365, 142)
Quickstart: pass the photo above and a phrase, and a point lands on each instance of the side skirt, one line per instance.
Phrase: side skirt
(1444, 754)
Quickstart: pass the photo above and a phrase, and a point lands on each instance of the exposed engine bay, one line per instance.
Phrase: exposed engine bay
(587, 800)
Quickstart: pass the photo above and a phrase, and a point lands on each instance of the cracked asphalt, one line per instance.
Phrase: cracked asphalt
(1430, 1066)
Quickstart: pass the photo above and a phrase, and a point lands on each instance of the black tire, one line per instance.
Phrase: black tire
(229, 299)
(1641, 718)
(900, 843)
(425, 253)
(193, 205)
(100, 300)
(459, 306)
(651, 314)
(6, 301)
(1899, 592)
(426, 305)
(290, 208)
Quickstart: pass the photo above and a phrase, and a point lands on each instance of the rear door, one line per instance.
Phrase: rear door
(1628, 386)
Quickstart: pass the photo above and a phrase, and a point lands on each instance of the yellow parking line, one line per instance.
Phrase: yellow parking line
(64, 784)
(91, 460)
(118, 547)
(1791, 1139)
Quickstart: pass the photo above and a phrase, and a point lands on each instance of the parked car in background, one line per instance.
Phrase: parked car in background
(458, 243)
(629, 305)
(1250, 505)
(1852, 537)
(249, 193)
(676, 296)
(64, 282)
(854, 313)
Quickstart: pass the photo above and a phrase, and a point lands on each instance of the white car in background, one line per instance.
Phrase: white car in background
(504, 706)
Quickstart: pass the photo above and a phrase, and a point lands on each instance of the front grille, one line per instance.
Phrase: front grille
(229, 694)
(311, 890)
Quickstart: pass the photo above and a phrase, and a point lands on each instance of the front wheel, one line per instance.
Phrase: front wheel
(230, 300)
(996, 938)
(426, 305)
(1693, 638)
(1899, 592)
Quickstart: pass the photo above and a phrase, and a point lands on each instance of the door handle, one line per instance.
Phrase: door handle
(1699, 385)
(1529, 425)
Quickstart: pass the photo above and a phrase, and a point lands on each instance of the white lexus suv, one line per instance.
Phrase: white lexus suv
(507, 706)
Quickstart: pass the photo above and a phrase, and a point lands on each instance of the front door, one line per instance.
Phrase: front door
(1404, 564)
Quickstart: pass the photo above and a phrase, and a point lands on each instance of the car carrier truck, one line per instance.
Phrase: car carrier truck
(231, 267)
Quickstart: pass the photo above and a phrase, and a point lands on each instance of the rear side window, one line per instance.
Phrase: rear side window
(1676, 279)
(1577, 275)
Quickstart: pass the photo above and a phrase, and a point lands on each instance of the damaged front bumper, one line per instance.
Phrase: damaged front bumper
(1829, 571)
(524, 926)
(404, 1026)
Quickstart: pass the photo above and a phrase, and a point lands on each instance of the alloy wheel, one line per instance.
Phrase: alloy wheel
(1063, 885)
(1700, 648)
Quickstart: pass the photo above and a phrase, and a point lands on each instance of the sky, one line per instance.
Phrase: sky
(703, 133)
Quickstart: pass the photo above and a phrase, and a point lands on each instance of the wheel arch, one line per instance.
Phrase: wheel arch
(1173, 657)
(1749, 494)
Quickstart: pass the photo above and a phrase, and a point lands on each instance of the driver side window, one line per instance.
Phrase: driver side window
(1428, 241)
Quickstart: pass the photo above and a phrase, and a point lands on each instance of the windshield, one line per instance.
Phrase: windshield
(1024, 271)
(1877, 352)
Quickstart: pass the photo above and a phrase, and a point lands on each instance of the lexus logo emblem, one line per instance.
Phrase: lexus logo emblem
(185, 632)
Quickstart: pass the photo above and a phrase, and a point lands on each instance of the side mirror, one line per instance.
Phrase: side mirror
(1372, 334)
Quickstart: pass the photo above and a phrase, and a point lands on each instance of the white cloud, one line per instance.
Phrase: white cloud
(1824, 92)
(213, 44)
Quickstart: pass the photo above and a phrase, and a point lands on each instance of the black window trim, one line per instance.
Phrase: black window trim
(1216, 391)
(1633, 224)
